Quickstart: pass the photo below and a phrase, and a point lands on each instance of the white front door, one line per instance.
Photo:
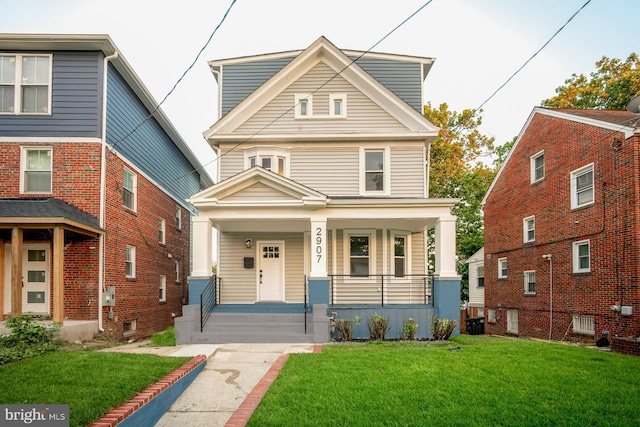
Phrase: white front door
(271, 271)
(35, 279)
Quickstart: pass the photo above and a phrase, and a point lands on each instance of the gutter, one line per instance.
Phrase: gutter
(103, 188)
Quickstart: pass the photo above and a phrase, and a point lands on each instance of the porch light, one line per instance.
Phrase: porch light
(248, 242)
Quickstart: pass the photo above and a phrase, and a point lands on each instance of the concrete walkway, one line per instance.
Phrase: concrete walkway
(233, 381)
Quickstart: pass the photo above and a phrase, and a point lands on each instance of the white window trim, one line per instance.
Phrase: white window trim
(511, 327)
(576, 256)
(526, 275)
(163, 285)
(23, 168)
(525, 229)
(131, 250)
(500, 275)
(134, 190)
(583, 324)
(407, 254)
(18, 84)
(178, 217)
(533, 167)
(177, 271)
(574, 186)
(343, 108)
(298, 97)
(273, 152)
(386, 172)
(346, 240)
(162, 229)
(478, 276)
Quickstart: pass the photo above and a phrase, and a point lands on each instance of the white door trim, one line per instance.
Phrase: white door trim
(279, 288)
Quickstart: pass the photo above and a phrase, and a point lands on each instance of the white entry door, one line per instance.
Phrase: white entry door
(271, 271)
(35, 279)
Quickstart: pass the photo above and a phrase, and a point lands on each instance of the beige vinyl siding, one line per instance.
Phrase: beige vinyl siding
(362, 113)
(232, 160)
(407, 171)
(239, 285)
(258, 192)
(309, 166)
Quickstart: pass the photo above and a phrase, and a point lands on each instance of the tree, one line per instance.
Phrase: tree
(610, 87)
(457, 171)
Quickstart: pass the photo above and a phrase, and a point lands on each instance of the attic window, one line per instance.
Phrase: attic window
(338, 105)
(303, 106)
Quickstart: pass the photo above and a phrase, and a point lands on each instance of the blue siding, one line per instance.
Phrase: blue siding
(76, 100)
(240, 80)
(402, 78)
(149, 147)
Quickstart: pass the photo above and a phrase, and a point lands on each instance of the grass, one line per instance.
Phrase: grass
(489, 381)
(91, 383)
(166, 338)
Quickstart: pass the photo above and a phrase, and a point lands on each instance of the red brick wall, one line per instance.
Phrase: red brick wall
(137, 299)
(611, 225)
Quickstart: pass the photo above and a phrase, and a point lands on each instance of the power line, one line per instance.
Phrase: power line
(224, 17)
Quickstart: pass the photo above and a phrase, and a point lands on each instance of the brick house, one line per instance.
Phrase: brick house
(94, 226)
(562, 230)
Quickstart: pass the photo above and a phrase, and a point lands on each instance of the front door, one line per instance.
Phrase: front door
(35, 279)
(271, 271)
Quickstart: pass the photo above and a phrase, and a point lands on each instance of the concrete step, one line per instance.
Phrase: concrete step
(254, 328)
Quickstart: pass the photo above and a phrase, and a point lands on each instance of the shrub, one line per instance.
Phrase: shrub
(409, 328)
(28, 338)
(345, 327)
(441, 329)
(378, 327)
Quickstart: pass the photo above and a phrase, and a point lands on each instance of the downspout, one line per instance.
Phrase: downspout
(548, 257)
(103, 187)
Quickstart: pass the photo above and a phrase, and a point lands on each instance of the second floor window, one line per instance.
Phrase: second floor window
(162, 289)
(25, 84)
(177, 266)
(537, 167)
(582, 187)
(37, 166)
(129, 190)
(276, 159)
(480, 277)
(178, 217)
(529, 282)
(581, 257)
(374, 171)
(162, 229)
(130, 262)
(529, 225)
(502, 268)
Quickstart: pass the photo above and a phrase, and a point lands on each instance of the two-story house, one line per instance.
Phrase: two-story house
(562, 248)
(322, 190)
(95, 229)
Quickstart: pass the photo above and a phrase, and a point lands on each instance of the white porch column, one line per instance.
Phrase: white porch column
(318, 247)
(202, 250)
(445, 247)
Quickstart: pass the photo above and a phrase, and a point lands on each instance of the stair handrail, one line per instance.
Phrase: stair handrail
(208, 300)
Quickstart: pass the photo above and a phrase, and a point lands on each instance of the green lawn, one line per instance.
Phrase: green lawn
(488, 382)
(91, 383)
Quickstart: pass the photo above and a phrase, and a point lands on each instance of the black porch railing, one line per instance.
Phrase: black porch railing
(209, 298)
(381, 289)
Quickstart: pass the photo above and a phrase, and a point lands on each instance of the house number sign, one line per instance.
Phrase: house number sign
(318, 248)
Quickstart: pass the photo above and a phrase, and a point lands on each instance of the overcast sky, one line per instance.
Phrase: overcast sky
(477, 44)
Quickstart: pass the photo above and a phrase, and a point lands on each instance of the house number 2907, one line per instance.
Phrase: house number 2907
(319, 243)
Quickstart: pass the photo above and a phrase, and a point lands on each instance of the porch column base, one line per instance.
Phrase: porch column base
(320, 323)
(196, 286)
(318, 290)
(446, 299)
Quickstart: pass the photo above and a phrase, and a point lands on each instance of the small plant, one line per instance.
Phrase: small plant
(345, 327)
(378, 327)
(441, 329)
(409, 328)
(27, 339)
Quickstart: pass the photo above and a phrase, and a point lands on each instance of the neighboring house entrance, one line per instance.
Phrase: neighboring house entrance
(271, 271)
(36, 278)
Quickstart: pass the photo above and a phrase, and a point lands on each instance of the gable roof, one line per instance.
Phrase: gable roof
(323, 51)
(614, 120)
(293, 193)
(102, 42)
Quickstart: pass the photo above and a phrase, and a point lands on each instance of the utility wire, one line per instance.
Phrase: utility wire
(224, 17)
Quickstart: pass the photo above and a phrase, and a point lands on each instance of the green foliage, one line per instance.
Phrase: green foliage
(441, 329)
(345, 327)
(378, 326)
(409, 329)
(28, 338)
(166, 338)
(610, 87)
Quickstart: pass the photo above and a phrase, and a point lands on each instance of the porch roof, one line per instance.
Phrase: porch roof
(38, 212)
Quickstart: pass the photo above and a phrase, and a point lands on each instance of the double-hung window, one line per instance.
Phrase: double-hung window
(530, 282)
(129, 189)
(502, 268)
(130, 262)
(480, 272)
(582, 187)
(25, 84)
(537, 167)
(359, 252)
(178, 217)
(529, 229)
(401, 253)
(582, 256)
(36, 168)
(162, 231)
(162, 289)
(374, 171)
(177, 266)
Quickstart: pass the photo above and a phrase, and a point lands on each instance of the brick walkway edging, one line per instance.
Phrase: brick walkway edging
(118, 414)
(241, 416)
